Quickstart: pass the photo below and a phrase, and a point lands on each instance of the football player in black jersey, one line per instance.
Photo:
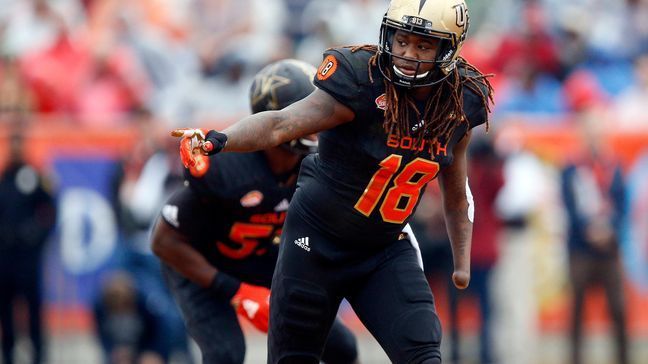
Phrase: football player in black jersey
(390, 119)
(218, 235)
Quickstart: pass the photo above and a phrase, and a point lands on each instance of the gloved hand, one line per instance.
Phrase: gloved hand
(197, 163)
(196, 142)
(249, 301)
(253, 303)
(190, 145)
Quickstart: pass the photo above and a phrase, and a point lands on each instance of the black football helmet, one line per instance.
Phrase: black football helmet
(280, 84)
(445, 20)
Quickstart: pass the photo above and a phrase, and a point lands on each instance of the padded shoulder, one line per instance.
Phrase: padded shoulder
(344, 74)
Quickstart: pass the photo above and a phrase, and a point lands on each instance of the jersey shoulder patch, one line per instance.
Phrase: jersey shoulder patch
(344, 74)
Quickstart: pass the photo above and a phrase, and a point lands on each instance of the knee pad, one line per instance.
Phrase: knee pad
(304, 309)
(300, 321)
(420, 326)
(419, 331)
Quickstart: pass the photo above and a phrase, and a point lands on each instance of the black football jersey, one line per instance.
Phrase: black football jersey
(234, 214)
(365, 184)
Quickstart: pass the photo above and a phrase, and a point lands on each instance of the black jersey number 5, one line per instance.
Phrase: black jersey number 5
(406, 185)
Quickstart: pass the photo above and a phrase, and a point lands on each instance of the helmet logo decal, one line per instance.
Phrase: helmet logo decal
(381, 102)
(421, 3)
(327, 68)
(462, 15)
(268, 85)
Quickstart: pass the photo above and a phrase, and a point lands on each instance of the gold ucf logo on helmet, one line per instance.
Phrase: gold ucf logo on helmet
(462, 14)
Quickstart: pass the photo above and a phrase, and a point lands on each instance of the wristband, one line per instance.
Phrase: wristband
(217, 140)
(224, 285)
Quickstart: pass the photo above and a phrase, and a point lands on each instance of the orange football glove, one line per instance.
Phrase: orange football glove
(197, 163)
(190, 145)
(253, 303)
(196, 144)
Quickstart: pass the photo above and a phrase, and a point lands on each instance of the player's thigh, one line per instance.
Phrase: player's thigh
(396, 305)
(210, 321)
(303, 304)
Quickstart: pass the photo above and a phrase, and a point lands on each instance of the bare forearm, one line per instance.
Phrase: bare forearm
(456, 205)
(460, 233)
(256, 132)
(459, 226)
(318, 111)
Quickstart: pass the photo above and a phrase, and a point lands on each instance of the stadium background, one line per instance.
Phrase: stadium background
(99, 82)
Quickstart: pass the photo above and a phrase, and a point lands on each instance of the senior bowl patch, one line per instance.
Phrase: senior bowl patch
(252, 198)
(381, 102)
(327, 68)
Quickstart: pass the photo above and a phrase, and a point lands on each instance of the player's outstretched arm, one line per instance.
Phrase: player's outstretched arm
(458, 214)
(318, 111)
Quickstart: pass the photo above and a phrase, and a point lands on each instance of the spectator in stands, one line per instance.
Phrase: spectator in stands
(594, 195)
(27, 216)
(629, 108)
(125, 324)
(94, 81)
(531, 41)
(15, 96)
(527, 185)
(527, 60)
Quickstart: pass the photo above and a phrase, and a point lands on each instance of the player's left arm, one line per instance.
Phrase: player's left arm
(458, 215)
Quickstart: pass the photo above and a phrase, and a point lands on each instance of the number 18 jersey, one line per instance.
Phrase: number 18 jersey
(364, 184)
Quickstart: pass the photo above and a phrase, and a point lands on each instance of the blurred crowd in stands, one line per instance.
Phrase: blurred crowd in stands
(187, 61)
(159, 64)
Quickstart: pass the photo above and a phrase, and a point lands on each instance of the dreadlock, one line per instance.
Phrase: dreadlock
(443, 110)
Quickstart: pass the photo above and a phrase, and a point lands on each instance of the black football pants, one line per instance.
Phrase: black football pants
(213, 324)
(386, 288)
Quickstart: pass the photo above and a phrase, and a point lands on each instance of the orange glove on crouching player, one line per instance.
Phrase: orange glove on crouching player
(249, 301)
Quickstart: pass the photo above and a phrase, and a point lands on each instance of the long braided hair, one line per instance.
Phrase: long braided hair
(443, 110)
